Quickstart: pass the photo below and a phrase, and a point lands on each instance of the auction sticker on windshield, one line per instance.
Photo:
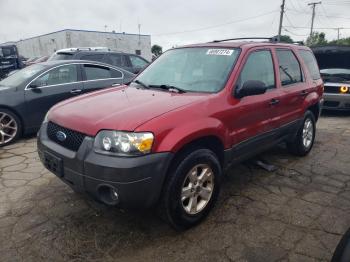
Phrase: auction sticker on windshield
(219, 52)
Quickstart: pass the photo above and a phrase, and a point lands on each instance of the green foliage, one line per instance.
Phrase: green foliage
(317, 38)
(157, 50)
(341, 41)
(286, 39)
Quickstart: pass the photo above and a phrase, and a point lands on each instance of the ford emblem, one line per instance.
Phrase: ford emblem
(61, 136)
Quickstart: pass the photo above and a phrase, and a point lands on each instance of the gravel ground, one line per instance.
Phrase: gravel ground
(297, 213)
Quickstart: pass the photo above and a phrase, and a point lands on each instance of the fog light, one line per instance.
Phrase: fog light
(344, 89)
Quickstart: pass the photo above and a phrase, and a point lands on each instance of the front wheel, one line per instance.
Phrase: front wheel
(304, 139)
(10, 127)
(191, 189)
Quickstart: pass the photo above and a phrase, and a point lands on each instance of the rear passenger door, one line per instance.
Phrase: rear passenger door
(293, 88)
(98, 77)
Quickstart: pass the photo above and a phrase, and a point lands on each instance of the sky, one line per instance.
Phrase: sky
(175, 22)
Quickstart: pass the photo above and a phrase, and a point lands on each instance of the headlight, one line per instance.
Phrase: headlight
(123, 143)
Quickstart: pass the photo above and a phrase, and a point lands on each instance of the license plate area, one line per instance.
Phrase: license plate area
(53, 163)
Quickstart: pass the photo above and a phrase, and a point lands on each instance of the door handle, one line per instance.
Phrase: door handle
(75, 91)
(304, 93)
(274, 101)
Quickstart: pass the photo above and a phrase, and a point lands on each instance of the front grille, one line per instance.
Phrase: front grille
(331, 103)
(331, 89)
(73, 138)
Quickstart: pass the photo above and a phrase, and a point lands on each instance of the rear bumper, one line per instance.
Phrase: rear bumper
(336, 101)
(137, 181)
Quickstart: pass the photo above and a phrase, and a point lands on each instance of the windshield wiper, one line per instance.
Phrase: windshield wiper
(141, 83)
(170, 88)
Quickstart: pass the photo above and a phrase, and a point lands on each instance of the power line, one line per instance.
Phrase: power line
(332, 16)
(214, 26)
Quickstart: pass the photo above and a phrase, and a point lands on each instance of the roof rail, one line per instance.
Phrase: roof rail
(271, 39)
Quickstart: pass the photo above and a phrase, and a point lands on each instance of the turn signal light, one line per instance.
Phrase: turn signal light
(344, 89)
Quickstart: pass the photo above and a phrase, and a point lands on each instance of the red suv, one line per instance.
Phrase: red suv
(166, 138)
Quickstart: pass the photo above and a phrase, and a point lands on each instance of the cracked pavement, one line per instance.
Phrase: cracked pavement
(296, 213)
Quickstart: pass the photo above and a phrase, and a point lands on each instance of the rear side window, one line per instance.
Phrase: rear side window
(259, 67)
(92, 57)
(116, 59)
(97, 72)
(311, 64)
(137, 61)
(290, 71)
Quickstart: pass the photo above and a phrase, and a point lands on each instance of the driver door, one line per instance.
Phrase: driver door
(54, 86)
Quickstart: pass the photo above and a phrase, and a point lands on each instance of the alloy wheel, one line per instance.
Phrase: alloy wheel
(8, 128)
(308, 133)
(197, 189)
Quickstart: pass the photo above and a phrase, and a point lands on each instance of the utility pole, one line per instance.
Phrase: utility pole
(338, 30)
(281, 21)
(313, 16)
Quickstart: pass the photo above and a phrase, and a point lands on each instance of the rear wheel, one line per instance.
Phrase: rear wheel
(191, 189)
(303, 141)
(10, 127)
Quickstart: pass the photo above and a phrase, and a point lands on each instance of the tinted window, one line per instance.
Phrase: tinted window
(290, 71)
(137, 62)
(92, 57)
(116, 59)
(97, 72)
(310, 63)
(259, 67)
(116, 73)
(60, 75)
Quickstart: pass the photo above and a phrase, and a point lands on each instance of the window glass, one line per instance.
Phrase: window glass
(137, 62)
(116, 59)
(92, 57)
(311, 64)
(290, 71)
(97, 72)
(59, 75)
(60, 56)
(195, 69)
(116, 73)
(138, 52)
(259, 67)
(22, 75)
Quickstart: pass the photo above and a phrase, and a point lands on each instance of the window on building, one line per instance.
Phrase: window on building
(290, 71)
(138, 52)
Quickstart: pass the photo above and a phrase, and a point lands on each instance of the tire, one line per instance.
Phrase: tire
(10, 127)
(187, 199)
(304, 139)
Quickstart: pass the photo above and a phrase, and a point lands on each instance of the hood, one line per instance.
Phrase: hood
(123, 109)
(333, 57)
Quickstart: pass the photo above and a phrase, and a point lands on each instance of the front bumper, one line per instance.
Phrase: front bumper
(336, 101)
(137, 181)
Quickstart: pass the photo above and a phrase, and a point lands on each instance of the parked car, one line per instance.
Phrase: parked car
(334, 62)
(9, 60)
(28, 94)
(166, 138)
(130, 62)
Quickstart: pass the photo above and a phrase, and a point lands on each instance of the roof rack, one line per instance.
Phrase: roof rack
(271, 39)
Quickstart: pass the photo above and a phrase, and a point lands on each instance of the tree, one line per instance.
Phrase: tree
(157, 50)
(286, 39)
(317, 38)
(341, 41)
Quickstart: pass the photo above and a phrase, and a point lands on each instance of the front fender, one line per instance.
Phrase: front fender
(187, 132)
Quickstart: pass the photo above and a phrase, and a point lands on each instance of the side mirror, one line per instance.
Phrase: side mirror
(251, 88)
(33, 85)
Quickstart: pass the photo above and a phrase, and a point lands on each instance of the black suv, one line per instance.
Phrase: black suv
(130, 62)
(9, 60)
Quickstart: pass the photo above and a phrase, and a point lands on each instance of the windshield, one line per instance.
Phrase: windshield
(21, 76)
(336, 75)
(61, 56)
(191, 69)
